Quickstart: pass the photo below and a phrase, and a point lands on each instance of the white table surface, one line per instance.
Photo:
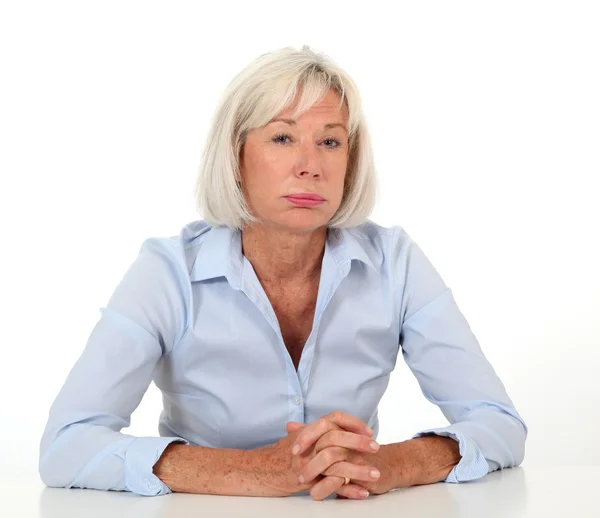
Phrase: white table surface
(565, 491)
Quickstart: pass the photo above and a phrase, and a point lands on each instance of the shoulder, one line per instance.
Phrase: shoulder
(179, 251)
(402, 260)
(155, 291)
(382, 244)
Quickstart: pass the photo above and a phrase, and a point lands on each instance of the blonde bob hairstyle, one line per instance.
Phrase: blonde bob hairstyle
(267, 86)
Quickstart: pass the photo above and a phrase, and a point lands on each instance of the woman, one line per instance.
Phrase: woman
(272, 325)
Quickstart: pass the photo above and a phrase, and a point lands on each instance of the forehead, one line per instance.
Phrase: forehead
(328, 106)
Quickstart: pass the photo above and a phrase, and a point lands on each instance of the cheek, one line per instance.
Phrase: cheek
(265, 179)
(341, 171)
(270, 165)
(339, 163)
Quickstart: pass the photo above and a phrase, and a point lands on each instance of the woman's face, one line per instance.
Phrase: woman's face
(308, 155)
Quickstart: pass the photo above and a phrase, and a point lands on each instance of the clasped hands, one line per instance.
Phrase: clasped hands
(322, 454)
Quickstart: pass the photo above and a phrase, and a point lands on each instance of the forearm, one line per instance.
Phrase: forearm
(424, 460)
(215, 471)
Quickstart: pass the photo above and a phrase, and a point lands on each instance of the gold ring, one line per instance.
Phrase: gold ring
(346, 480)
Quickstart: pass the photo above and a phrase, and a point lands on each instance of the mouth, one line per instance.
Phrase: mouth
(305, 200)
(305, 196)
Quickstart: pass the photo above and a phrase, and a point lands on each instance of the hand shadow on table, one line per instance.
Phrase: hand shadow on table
(501, 493)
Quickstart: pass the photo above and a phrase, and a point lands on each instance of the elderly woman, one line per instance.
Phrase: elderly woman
(272, 325)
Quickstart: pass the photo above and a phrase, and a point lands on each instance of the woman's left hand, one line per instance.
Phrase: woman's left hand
(324, 465)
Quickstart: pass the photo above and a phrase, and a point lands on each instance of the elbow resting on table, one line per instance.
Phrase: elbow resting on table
(509, 431)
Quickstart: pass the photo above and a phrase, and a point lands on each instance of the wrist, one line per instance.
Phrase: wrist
(402, 464)
(173, 468)
(275, 472)
(437, 456)
(424, 460)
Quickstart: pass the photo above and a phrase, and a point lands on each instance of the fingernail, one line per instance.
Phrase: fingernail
(374, 473)
(296, 449)
(369, 431)
(363, 493)
(301, 479)
(374, 446)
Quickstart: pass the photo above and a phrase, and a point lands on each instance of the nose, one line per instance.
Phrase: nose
(308, 163)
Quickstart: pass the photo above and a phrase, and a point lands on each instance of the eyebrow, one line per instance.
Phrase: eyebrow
(292, 122)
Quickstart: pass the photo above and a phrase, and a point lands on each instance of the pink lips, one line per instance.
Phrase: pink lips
(305, 199)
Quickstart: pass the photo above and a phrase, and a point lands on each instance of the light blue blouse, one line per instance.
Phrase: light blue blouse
(190, 314)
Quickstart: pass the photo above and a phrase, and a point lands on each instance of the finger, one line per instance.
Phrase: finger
(326, 487)
(310, 485)
(321, 461)
(292, 426)
(350, 440)
(352, 491)
(311, 433)
(353, 471)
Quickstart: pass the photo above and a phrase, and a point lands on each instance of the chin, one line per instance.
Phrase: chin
(305, 219)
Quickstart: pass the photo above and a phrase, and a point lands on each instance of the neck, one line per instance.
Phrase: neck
(279, 255)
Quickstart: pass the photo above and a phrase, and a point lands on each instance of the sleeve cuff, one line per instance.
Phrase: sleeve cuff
(472, 465)
(140, 457)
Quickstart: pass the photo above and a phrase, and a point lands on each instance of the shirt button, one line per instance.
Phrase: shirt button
(296, 400)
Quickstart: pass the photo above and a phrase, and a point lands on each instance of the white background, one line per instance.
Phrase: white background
(485, 119)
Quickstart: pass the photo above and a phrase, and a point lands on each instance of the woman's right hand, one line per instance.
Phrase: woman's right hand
(285, 467)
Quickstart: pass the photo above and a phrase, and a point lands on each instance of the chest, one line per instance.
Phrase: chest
(226, 374)
(295, 311)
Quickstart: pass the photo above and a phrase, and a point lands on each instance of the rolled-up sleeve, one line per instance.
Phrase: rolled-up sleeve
(82, 445)
(443, 353)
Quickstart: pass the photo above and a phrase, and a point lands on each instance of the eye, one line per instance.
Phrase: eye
(280, 138)
(337, 142)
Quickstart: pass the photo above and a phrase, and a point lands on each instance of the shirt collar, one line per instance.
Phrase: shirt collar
(221, 253)
(220, 247)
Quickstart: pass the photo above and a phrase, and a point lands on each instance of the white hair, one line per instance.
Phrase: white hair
(263, 89)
